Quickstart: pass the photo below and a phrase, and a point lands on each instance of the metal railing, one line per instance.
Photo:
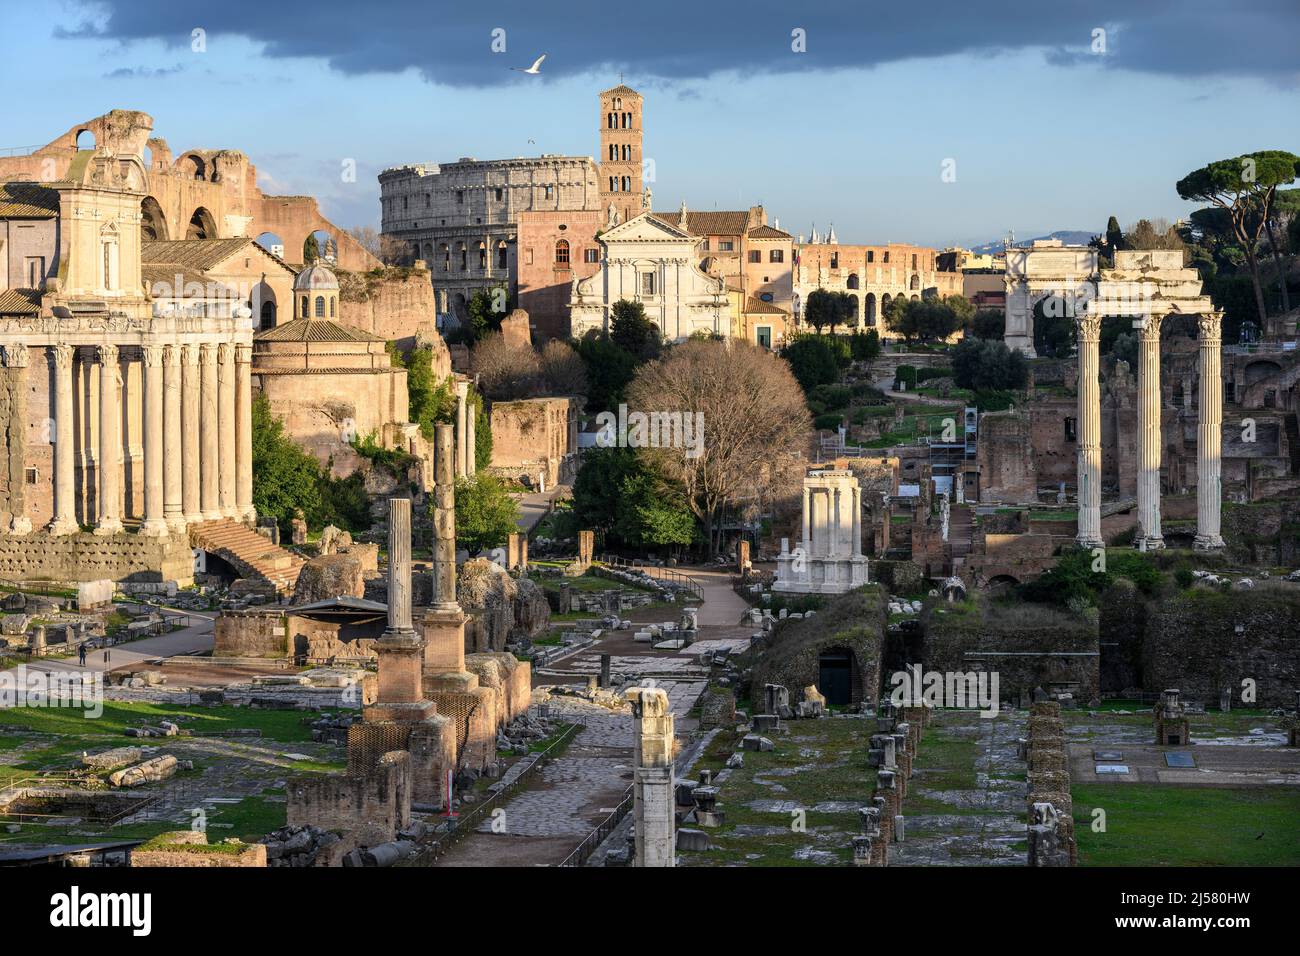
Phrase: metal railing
(684, 581)
(592, 841)
(458, 826)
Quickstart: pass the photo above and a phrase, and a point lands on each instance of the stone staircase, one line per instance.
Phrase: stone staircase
(248, 552)
(960, 526)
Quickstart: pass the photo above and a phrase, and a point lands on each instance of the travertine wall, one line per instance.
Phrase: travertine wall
(255, 633)
(89, 557)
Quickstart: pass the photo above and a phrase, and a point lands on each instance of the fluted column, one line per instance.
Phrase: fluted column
(226, 429)
(191, 462)
(1209, 435)
(244, 434)
(16, 358)
(807, 522)
(173, 433)
(110, 441)
(65, 514)
(1148, 452)
(1089, 534)
(209, 450)
(154, 526)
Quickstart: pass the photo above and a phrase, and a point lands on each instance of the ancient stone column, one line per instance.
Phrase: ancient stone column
(652, 778)
(471, 462)
(65, 514)
(244, 435)
(226, 429)
(1089, 534)
(462, 396)
(173, 440)
(1209, 434)
(110, 442)
(209, 452)
(1148, 452)
(444, 520)
(15, 360)
(154, 526)
(191, 462)
(399, 569)
(807, 522)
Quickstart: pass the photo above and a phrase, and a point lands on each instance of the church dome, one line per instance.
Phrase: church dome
(315, 278)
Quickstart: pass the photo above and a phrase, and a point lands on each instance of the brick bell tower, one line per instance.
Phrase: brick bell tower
(621, 153)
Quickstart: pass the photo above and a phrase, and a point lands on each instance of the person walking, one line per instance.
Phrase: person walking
(81, 653)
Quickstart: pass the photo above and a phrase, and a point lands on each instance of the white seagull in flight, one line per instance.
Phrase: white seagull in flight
(534, 69)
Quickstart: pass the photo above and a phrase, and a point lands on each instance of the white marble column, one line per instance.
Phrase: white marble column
(110, 441)
(834, 547)
(226, 429)
(1149, 537)
(65, 513)
(191, 462)
(173, 496)
(462, 394)
(807, 522)
(244, 434)
(1209, 435)
(15, 358)
(471, 457)
(152, 422)
(399, 569)
(857, 522)
(1089, 534)
(209, 450)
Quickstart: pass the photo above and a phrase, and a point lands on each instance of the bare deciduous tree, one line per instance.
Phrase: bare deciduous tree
(563, 369)
(756, 424)
(505, 371)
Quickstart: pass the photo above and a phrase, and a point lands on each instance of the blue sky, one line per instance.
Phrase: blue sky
(1044, 133)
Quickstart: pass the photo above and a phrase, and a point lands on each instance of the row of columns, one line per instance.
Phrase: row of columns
(197, 430)
(1208, 444)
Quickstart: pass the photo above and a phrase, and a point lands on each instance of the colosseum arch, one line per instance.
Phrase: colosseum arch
(852, 281)
(153, 224)
(869, 308)
(202, 225)
(85, 139)
(194, 165)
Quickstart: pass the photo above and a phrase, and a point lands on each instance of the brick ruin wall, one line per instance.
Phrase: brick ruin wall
(71, 558)
(1050, 830)
(369, 806)
(256, 633)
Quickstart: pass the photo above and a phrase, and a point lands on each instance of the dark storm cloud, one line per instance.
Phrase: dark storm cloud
(450, 42)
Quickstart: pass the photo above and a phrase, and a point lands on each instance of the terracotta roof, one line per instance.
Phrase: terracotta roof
(758, 307)
(622, 90)
(768, 232)
(315, 330)
(198, 254)
(707, 223)
(20, 301)
(165, 273)
(28, 201)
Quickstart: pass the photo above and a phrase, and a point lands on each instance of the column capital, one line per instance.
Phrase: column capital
(15, 355)
(108, 354)
(153, 355)
(225, 353)
(171, 356)
(1150, 329)
(1089, 327)
(243, 354)
(62, 356)
(208, 353)
(1209, 326)
(189, 354)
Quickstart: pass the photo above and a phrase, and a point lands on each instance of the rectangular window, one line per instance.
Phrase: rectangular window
(726, 245)
(886, 259)
(871, 255)
(755, 255)
(647, 283)
(1071, 429)
(776, 255)
(498, 194)
(34, 269)
(460, 197)
(528, 256)
(591, 255)
(550, 192)
(764, 336)
(31, 475)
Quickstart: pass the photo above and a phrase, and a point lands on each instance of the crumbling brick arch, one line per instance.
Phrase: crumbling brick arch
(153, 223)
(202, 225)
(195, 165)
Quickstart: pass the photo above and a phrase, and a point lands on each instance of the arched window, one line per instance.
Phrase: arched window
(446, 258)
(916, 283)
(627, 184)
(268, 315)
(613, 151)
(627, 152)
(501, 255)
(482, 256)
(853, 280)
(562, 252)
(610, 120)
(613, 184)
(306, 307)
(464, 259)
(320, 306)
(333, 306)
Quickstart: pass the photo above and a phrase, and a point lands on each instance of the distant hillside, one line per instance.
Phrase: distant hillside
(1071, 237)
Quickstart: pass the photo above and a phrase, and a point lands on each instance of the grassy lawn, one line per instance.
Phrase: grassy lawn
(1149, 825)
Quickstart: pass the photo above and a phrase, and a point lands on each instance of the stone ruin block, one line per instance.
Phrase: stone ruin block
(755, 743)
(154, 770)
(368, 807)
(776, 700)
(1171, 723)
